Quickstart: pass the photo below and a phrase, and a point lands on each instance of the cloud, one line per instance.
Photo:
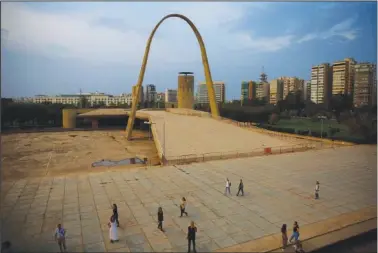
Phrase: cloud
(91, 34)
(343, 29)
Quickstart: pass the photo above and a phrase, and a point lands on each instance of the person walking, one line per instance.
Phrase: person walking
(160, 219)
(295, 226)
(295, 235)
(241, 188)
(317, 186)
(192, 230)
(183, 206)
(115, 214)
(60, 237)
(228, 187)
(284, 236)
(113, 232)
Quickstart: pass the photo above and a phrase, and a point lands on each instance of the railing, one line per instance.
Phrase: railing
(205, 157)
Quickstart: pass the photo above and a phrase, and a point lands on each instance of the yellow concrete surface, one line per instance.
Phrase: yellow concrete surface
(69, 116)
(273, 242)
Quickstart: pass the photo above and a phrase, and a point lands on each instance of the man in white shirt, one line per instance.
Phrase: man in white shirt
(60, 237)
(228, 187)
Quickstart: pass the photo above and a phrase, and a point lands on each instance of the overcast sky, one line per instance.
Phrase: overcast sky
(56, 48)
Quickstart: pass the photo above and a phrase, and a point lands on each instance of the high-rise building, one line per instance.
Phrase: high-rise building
(248, 90)
(262, 89)
(365, 84)
(276, 91)
(185, 98)
(150, 94)
(244, 91)
(321, 83)
(307, 90)
(291, 84)
(170, 96)
(202, 93)
(343, 77)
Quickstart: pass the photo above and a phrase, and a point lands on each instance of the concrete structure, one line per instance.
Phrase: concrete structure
(170, 96)
(185, 91)
(343, 77)
(278, 189)
(213, 105)
(69, 116)
(307, 90)
(321, 83)
(150, 94)
(74, 99)
(202, 94)
(365, 84)
(276, 91)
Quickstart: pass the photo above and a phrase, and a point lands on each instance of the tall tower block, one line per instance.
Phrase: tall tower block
(185, 91)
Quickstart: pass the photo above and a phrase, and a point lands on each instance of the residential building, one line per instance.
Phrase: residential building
(307, 90)
(321, 83)
(343, 77)
(291, 84)
(262, 89)
(365, 84)
(244, 91)
(150, 94)
(202, 94)
(248, 90)
(170, 96)
(276, 91)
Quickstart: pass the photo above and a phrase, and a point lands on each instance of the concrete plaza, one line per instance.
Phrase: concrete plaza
(278, 189)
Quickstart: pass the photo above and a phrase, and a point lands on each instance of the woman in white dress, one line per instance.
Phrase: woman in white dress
(113, 233)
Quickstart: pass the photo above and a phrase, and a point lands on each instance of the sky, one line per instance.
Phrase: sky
(62, 48)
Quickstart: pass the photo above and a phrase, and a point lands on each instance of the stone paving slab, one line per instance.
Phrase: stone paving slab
(278, 189)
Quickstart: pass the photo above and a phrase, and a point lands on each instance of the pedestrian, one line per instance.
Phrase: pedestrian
(317, 186)
(295, 226)
(284, 236)
(228, 187)
(113, 232)
(241, 188)
(183, 206)
(160, 219)
(60, 237)
(295, 235)
(115, 214)
(192, 230)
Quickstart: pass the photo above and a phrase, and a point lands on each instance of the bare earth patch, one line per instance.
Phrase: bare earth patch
(57, 153)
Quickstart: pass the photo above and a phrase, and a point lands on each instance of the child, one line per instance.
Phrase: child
(182, 207)
(60, 237)
(160, 219)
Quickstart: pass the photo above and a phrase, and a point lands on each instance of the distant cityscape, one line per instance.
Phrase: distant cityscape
(346, 77)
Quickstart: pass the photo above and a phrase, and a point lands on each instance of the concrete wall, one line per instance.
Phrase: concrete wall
(69, 116)
(185, 92)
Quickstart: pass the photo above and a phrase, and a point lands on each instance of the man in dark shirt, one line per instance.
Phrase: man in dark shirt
(241, 188)
(160, 219)
(192, 230)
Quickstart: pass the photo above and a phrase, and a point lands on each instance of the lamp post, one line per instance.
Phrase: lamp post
(321, 128)
(152, 123)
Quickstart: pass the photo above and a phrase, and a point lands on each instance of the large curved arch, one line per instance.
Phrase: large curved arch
(209, 81)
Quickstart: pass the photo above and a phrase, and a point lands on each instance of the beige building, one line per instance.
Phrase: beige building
(365, 84)
(291, 84)
(202, 94)
(321, 83)
(343, 77)
(170, 96)
(276, 91)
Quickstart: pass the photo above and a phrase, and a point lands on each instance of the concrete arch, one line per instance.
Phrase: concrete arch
(209, 81)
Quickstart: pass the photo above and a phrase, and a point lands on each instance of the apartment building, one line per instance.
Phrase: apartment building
(291, 84)
(74, 99)
(248, 90)
(343, 76)
(306, 90)
(321, 83)
(202, 93)
(150, 94)
(365, 84)
(276, 91)
(170, 96)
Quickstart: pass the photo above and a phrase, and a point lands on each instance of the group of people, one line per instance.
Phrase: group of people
(228, 188)
(294, 236)
(60, 232)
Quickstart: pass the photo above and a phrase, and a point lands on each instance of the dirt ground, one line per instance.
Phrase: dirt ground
(26, 155)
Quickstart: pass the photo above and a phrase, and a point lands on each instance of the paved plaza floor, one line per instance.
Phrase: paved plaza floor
(278, 189)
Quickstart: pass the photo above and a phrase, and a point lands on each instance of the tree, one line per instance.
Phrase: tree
(83, 102)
